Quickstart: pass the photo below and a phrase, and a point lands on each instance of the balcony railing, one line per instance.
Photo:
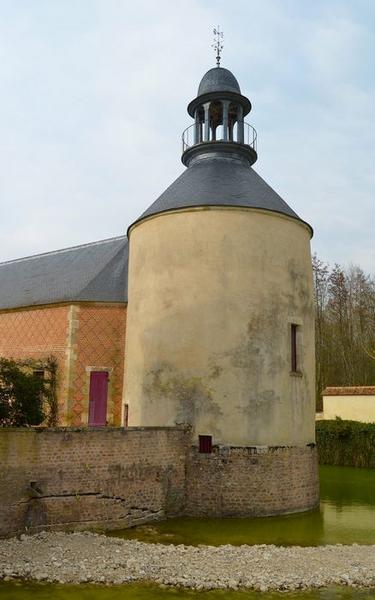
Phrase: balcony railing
(194, 134)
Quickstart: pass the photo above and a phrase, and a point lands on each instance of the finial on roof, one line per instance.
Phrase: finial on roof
(218, 44)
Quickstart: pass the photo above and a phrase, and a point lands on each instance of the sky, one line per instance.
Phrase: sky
(93, 102)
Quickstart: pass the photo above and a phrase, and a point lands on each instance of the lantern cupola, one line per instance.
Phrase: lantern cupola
(219, 126)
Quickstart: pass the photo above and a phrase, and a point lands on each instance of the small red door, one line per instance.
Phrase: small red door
(98, 398)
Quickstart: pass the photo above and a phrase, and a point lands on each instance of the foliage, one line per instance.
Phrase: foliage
(51, 392)
(26, 399)
(345, 327)
(21, 396)
(346, 443)
(50, 403)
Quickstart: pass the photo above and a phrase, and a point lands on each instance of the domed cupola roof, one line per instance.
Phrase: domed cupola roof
(218, 80)
(219, 84)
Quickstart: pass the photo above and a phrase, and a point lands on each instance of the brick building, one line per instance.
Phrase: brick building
(71, 304)
(216, 306)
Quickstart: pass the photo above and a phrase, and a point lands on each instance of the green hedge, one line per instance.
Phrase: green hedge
(346, 443)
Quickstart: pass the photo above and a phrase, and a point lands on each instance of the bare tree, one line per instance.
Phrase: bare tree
(345, 326)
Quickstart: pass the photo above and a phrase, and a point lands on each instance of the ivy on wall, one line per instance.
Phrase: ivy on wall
(346, 443)
(28, 392)
(49, 366)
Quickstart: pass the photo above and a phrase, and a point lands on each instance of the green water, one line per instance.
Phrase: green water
(11, 591)
(346, 516)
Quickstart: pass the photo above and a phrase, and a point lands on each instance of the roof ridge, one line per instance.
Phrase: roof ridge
(100, 272)
(68, 249)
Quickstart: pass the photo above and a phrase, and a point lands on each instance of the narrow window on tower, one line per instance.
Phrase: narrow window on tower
(293, 348)
(205, 444)
(126, 415)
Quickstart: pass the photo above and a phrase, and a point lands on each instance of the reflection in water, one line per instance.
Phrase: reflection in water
(344, 486)
(301, 529)
(348, 525)
(346, 516)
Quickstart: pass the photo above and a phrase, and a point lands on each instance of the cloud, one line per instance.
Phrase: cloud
(94, 101)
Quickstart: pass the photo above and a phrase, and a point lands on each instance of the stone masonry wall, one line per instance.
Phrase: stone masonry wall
(252, 481)
(113, 478)
(110, 478)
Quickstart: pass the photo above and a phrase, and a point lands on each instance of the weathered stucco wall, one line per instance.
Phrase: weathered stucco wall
(212, 295)
(108, 478)
(252, 481)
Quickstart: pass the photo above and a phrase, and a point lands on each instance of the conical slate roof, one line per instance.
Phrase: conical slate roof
(95, 272)
(219, 171)
(219, 182)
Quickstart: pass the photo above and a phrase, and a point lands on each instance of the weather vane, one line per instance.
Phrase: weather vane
(218, 44)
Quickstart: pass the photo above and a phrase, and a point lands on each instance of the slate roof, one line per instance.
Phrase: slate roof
(91, 272)
(219, 182)
(218, 80)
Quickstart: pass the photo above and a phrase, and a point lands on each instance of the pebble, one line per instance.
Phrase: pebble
(89, 557)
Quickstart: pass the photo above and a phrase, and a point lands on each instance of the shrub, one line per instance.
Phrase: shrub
(346, 443)
(21, 396)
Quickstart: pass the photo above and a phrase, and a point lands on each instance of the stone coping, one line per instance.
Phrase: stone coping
(107, 429)
(349, 391)
(216, 448)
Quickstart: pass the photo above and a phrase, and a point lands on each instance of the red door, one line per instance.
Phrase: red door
(98, 398)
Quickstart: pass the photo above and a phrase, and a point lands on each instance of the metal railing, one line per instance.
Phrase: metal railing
(194, 135)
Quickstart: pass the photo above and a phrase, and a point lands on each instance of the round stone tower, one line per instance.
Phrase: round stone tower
(220, 325)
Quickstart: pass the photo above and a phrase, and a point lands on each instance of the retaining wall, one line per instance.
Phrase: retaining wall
(113, 478)
(252, 481)
(110, 478)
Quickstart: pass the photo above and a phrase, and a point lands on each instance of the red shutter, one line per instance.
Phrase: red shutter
(205, 444)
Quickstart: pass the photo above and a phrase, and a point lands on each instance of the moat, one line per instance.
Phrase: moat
(149, 592)
(346, 516)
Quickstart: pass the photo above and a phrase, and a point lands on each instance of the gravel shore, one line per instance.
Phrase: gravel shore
(88, 557)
